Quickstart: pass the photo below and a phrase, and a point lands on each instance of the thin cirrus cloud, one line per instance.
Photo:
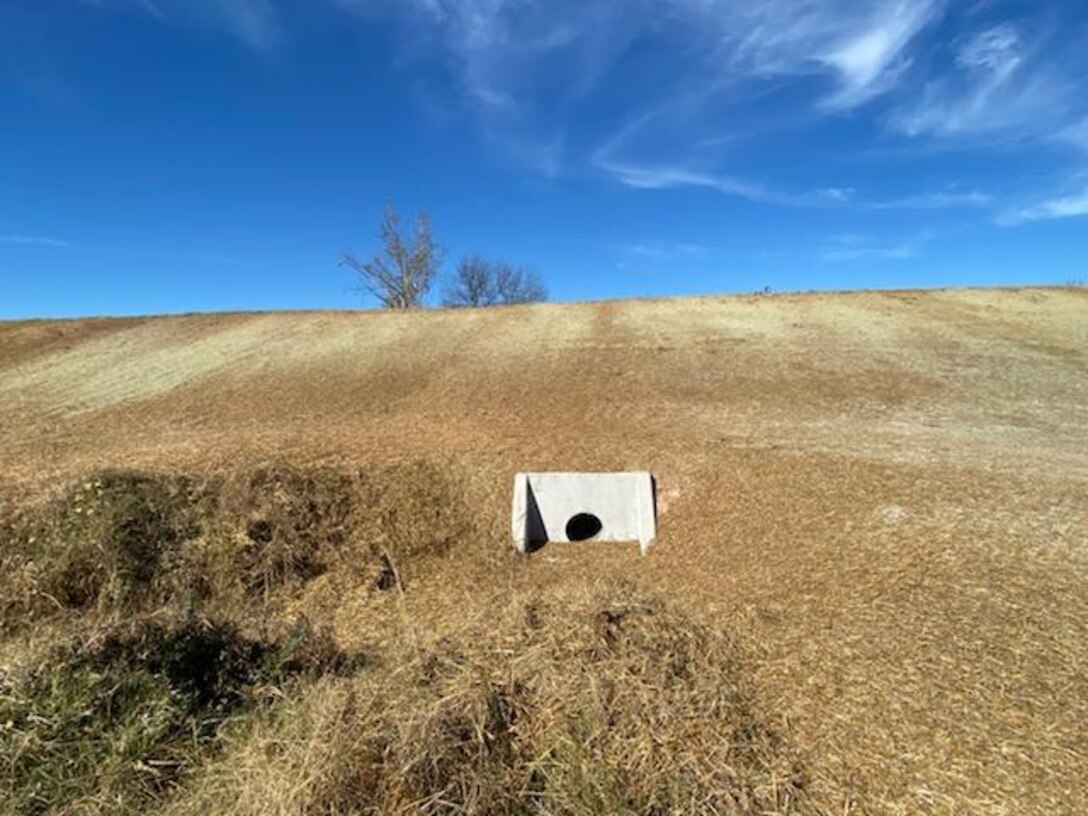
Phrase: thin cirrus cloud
(511, 55)
(1075, 135)
(1004, 88)
(32, 240)
(858, 44)
(519, 66)
(255, 22)
(936, 200)
(668, 177)
(1063, 206)
(853, 247)
(552, 85)
(921, 71)
(996, 86)
(871, 61)
(653, 253)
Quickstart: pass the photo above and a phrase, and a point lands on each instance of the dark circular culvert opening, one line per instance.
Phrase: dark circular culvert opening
(583, 527)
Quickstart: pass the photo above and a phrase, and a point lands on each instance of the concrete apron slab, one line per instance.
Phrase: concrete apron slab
(578, 507)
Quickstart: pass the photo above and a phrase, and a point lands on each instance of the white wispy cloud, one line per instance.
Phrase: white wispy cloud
(937, 200)
(543, 155)
(525, 66)
(152, 8)
(531, 73)
(522, 63)
(650, 255)
(859, 44)
(674, 176)
(1064, 206)
(1075, 134)
(519, 65)
(32, 240)
(894, 252)
(854, 247)
(999, 86)
(870, 62)
(255, 22)
(663, 177)
(664, 250)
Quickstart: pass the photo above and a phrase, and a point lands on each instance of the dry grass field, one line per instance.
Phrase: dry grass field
(869, 592)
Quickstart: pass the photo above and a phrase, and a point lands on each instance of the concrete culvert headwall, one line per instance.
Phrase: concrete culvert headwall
(579, 507)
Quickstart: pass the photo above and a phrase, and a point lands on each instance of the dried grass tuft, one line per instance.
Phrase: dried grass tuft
(277, 525)
(409, 515)
(600, 703)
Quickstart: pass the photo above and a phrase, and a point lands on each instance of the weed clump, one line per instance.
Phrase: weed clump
(279, 526)
(112, 540)
(111, 725)
(122, 541)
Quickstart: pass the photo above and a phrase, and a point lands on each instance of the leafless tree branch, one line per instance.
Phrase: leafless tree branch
(401, 274)
(479, 282)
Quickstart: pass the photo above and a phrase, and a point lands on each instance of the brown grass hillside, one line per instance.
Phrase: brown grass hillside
(868, 593)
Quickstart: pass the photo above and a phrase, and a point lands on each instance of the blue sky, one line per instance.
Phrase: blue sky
(179, 155)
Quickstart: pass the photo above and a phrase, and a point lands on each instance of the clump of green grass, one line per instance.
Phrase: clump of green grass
(111, 725)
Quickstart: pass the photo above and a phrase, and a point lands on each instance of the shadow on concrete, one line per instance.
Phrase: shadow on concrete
(536, 536)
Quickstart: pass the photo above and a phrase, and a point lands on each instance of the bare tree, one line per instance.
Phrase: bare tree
(401, 274)
(480, 282)
(473, 284)
(515, 284)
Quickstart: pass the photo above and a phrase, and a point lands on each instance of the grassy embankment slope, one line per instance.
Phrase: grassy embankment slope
(867, 595)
